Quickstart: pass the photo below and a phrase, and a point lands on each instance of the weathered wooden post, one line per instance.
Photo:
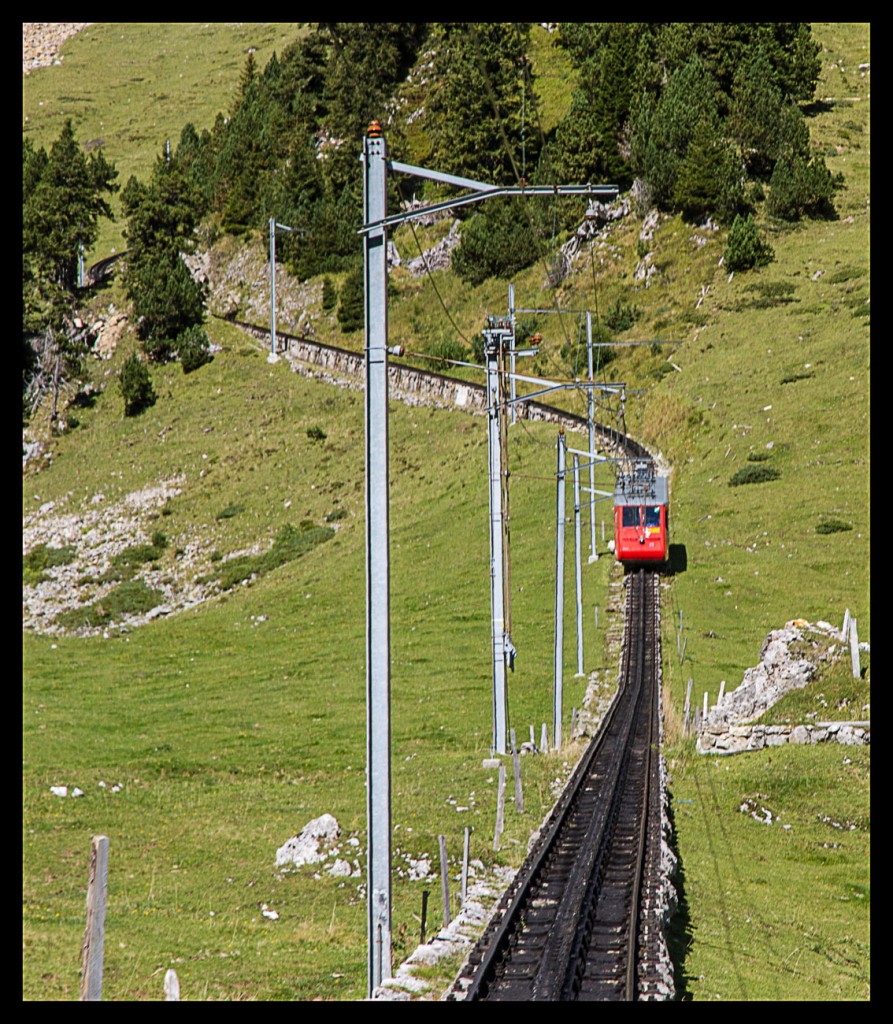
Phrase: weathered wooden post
(465, 865)
(500, 808)
(516, 762)
(444, 881)
(425, 894)
(171, 987)
(686, 722)
(94, 934)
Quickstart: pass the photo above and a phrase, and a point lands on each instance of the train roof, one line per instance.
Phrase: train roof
(641, 490)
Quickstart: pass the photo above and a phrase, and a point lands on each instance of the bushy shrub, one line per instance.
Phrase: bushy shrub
(290, 543)
(754, 475)
(621, 316)
(133, 597)
(745, 249)
(329, 295)
(136, 386)
(194, 348)
(497, 242)
(230, 511)
(44, 557)
(833, 526)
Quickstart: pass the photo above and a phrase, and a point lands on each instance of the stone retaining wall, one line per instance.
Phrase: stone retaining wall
(408, 384)
(735, 739)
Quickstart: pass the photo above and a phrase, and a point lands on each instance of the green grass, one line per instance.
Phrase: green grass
(233, 724)
(130, 86)
(779, 911)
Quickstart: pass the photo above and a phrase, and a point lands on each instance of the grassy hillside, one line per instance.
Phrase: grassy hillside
(230, 726)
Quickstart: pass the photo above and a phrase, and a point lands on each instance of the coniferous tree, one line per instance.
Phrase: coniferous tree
(688, 100)
(802, 188)
(474, 110)
(709, 178)
(351, 310)
(745, 249)
(755, 117)
(136, 386)
(62, 202)
(162, 217)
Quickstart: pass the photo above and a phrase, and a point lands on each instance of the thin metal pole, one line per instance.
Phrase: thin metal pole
(590, 415)
(512, 351)
(492, 347)
(272, 286)
(558, 695)
(378, 657)
(577, 568)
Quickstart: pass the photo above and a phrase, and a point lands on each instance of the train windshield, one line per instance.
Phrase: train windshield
(631, 515)
(652, 515)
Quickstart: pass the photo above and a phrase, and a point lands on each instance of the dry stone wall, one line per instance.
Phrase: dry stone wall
(789, 659)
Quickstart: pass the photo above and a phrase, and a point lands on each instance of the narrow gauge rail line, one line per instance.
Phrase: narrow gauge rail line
(569, 926)
(609, 437)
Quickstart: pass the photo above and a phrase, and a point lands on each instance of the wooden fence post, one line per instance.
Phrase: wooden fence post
(854, 648)
(94, 934)
(544, 739)
(171, 987)
(516, 762)
(465, 865)
(444, 881)
(425, 894)
(500, 807)
(686, 722)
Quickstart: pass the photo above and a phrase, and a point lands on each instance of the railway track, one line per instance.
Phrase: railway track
(578, 923)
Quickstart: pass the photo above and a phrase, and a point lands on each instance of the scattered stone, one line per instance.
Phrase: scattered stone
(312, 844)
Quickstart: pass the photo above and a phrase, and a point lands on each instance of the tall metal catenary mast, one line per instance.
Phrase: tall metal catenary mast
(378, 657)
(376, 222)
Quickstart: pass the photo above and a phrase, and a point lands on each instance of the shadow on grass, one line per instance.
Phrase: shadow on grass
(678, 560)
(679, 934)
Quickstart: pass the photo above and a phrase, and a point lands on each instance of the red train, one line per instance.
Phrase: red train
(641, 515)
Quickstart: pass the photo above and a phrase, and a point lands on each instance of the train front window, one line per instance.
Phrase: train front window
(652, 515)
(631, 515)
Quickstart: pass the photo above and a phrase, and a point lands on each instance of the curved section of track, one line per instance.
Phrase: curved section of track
(569, 928)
